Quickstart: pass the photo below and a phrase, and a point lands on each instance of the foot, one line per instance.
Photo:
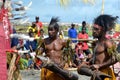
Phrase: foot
(100, 76)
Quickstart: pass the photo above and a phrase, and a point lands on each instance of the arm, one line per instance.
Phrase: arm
(111, 50)
(30, 48)
(109, 62)
(111, 53)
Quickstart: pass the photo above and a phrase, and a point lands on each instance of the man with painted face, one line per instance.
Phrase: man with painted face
(52, 46)
(103, 53)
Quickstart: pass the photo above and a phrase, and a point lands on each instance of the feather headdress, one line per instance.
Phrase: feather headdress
(54, 23)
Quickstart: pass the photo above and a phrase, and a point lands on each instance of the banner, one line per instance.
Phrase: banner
(4, 42)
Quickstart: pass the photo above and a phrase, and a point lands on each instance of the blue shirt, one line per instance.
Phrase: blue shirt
(31, 43)
(72, 33)
(14, 41)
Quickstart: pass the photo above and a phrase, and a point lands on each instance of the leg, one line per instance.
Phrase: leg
(96, 75)
(64, 73)
(48, 64)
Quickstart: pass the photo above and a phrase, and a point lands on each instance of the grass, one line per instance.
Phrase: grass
(23, 29)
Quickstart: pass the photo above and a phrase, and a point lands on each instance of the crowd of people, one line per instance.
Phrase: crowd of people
(74, 52)
(36, 31)
(82, 49)
(28, 60)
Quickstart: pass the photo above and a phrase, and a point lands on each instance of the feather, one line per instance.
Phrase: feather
(54, 21)
(19, 3)
(30, 3)
(22, 36)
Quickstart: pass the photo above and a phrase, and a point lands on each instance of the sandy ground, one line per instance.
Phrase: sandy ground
(35, 74)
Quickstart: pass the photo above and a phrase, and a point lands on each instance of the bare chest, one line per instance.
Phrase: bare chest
(99, 48)
(55, 45)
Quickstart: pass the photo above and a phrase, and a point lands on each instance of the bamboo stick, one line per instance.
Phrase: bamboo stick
(91, 39)
(12, 67)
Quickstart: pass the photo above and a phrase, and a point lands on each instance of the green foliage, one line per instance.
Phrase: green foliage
(45, 28)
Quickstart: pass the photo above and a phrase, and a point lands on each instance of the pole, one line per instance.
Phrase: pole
(102, 11)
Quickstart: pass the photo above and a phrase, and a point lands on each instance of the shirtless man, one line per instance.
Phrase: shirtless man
(103, 54)
(52, 46)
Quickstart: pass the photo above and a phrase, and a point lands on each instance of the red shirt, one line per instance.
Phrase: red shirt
(38, 62)
(116, 35)
(83, 36)
(39, 25)
(79, 47)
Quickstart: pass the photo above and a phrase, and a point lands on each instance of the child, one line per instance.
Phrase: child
(79, 53)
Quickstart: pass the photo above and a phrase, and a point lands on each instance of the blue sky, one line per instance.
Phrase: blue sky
(76, 11)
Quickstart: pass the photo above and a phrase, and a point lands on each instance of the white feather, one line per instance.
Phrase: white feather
(25, 21)
(30, 3)
(22, 36)
(33, 54)
(18, 3)
(21, 51)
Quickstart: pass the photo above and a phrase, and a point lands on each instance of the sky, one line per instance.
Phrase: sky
(75, 12)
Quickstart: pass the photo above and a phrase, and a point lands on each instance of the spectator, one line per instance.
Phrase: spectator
(30, 61)
(83, 25)
(14, 41)
(31, 45)
(37, 63)
(72, 33)
(79, 53)
(33, 29)
(39, 25)
(85, 47)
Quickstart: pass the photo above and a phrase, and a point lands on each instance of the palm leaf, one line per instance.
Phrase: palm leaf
(89, 1)
(66, 2)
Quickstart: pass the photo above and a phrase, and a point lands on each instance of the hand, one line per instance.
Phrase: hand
(100, 76)
(77, 59)
(95, 67)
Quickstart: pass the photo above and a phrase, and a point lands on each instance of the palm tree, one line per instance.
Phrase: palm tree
(65, 2)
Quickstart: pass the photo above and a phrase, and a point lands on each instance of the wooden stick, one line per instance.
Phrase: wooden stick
(12, 67)
(84, 39)
(91, 39)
